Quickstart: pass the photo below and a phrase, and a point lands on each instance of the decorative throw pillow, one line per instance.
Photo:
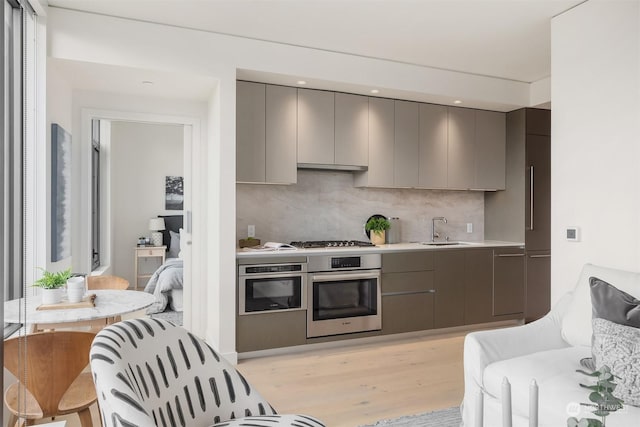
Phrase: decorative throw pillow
(174, 246)
(609, 302)
(618, 347)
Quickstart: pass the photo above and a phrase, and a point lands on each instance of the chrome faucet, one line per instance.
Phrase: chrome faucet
(435, 235)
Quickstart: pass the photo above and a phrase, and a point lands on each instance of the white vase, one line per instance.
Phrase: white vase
(377, 237)
(75, 289)
(51, 296)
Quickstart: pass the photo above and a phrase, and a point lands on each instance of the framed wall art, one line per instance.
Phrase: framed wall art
(60, 193)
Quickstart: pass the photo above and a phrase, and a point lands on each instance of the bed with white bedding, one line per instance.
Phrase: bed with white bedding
(166, 283)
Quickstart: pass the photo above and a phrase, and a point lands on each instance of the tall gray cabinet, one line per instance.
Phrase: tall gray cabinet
(265, 133)
(522, 212)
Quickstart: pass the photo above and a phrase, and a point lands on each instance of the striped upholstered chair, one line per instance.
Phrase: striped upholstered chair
(149, 372)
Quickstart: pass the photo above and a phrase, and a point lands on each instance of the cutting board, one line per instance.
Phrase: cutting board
(87, 302)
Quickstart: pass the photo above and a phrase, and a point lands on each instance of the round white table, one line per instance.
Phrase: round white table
(109, 305)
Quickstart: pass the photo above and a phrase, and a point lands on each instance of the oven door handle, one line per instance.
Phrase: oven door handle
(345, 276)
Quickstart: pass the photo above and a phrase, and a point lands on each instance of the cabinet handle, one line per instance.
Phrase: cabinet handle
(539, 256)
(531, 187)
(508, 255)
(390, 294)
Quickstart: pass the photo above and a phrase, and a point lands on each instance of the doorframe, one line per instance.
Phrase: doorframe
(191, 138)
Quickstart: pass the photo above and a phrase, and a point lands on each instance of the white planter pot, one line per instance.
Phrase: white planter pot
(51, 296)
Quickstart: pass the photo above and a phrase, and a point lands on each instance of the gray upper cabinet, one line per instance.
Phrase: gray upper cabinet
(406, 147)
(351, 130)
(316, 126)
(281, 127)
(490, 150)
(433, 146)
(250, 132)
(381, 142)
(265, 133)
(461, 149)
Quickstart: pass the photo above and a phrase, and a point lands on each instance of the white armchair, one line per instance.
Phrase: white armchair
(548, 350)
(149, 372)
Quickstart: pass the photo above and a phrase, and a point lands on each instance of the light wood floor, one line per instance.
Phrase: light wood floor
(354, 385)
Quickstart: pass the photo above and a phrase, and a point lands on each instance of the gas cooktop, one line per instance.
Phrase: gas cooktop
(330, 244)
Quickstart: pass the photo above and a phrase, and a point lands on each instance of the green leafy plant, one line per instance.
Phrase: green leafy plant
(377, 224)
(603, 402)
(51, 280)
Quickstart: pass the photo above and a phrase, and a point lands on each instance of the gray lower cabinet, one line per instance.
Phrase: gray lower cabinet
(408, 292)
(450, 287)
(508, 281)
(265, 133)
(478, 286)
(538, 285)
(316, 126)
(271, 330)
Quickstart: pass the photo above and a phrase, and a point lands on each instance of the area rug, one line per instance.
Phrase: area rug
(449, 417)
(174, 317)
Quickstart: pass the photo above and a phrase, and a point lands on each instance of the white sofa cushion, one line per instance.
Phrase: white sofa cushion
(555, 373)
(576, 323)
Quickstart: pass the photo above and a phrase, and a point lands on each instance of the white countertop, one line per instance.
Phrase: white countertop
(389, 248)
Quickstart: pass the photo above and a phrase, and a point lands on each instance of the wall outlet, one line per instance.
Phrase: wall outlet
(469, 227)
(251, 231)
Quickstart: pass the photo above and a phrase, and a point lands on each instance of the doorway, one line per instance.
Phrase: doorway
(138, 155)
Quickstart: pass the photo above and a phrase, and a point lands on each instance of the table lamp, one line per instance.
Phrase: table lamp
(156, 225)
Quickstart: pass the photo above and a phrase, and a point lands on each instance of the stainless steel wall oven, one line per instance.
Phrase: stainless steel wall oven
(271, 287)
(343, 294)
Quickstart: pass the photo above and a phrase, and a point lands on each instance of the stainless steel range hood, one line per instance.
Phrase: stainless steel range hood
(328, 167)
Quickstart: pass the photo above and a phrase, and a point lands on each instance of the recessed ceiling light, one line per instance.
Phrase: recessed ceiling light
(147, 82)
(302, 82)
(374, 91)
(457, 101)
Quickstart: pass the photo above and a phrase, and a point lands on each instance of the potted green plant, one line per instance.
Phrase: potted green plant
(377, 226)
(602, 401)
(249, 242)
(51, 284)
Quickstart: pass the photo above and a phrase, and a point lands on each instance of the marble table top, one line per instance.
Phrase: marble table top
(108, 303)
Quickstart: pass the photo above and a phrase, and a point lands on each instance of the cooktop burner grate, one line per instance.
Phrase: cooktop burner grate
(330, 244)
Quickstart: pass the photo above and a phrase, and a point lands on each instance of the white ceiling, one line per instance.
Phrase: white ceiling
(508, 39)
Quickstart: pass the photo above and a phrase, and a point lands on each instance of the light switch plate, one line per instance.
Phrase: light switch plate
(469, 227)
(251, 231)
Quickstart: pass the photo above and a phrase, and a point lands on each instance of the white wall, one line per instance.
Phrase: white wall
(142, 155)
(101, 39)
(59, 101)
(595, 151)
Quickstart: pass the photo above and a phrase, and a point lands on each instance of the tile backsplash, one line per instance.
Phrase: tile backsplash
(325, 205)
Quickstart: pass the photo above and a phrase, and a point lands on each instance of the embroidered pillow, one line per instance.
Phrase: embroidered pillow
(618, 347)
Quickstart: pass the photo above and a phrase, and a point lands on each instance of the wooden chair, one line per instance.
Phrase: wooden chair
(50, 365)
(106, 282)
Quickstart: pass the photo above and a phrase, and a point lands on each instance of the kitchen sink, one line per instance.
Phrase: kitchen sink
(443, 243)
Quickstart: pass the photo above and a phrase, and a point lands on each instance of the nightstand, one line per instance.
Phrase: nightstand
(147, 252)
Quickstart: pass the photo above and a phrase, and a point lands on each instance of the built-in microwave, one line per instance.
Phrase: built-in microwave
(271, 287)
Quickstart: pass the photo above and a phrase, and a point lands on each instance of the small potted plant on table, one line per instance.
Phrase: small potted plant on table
(51, 284)
(377, 227)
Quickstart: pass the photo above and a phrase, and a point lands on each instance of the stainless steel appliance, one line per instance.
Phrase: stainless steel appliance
(272, 287)
(343, 294)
